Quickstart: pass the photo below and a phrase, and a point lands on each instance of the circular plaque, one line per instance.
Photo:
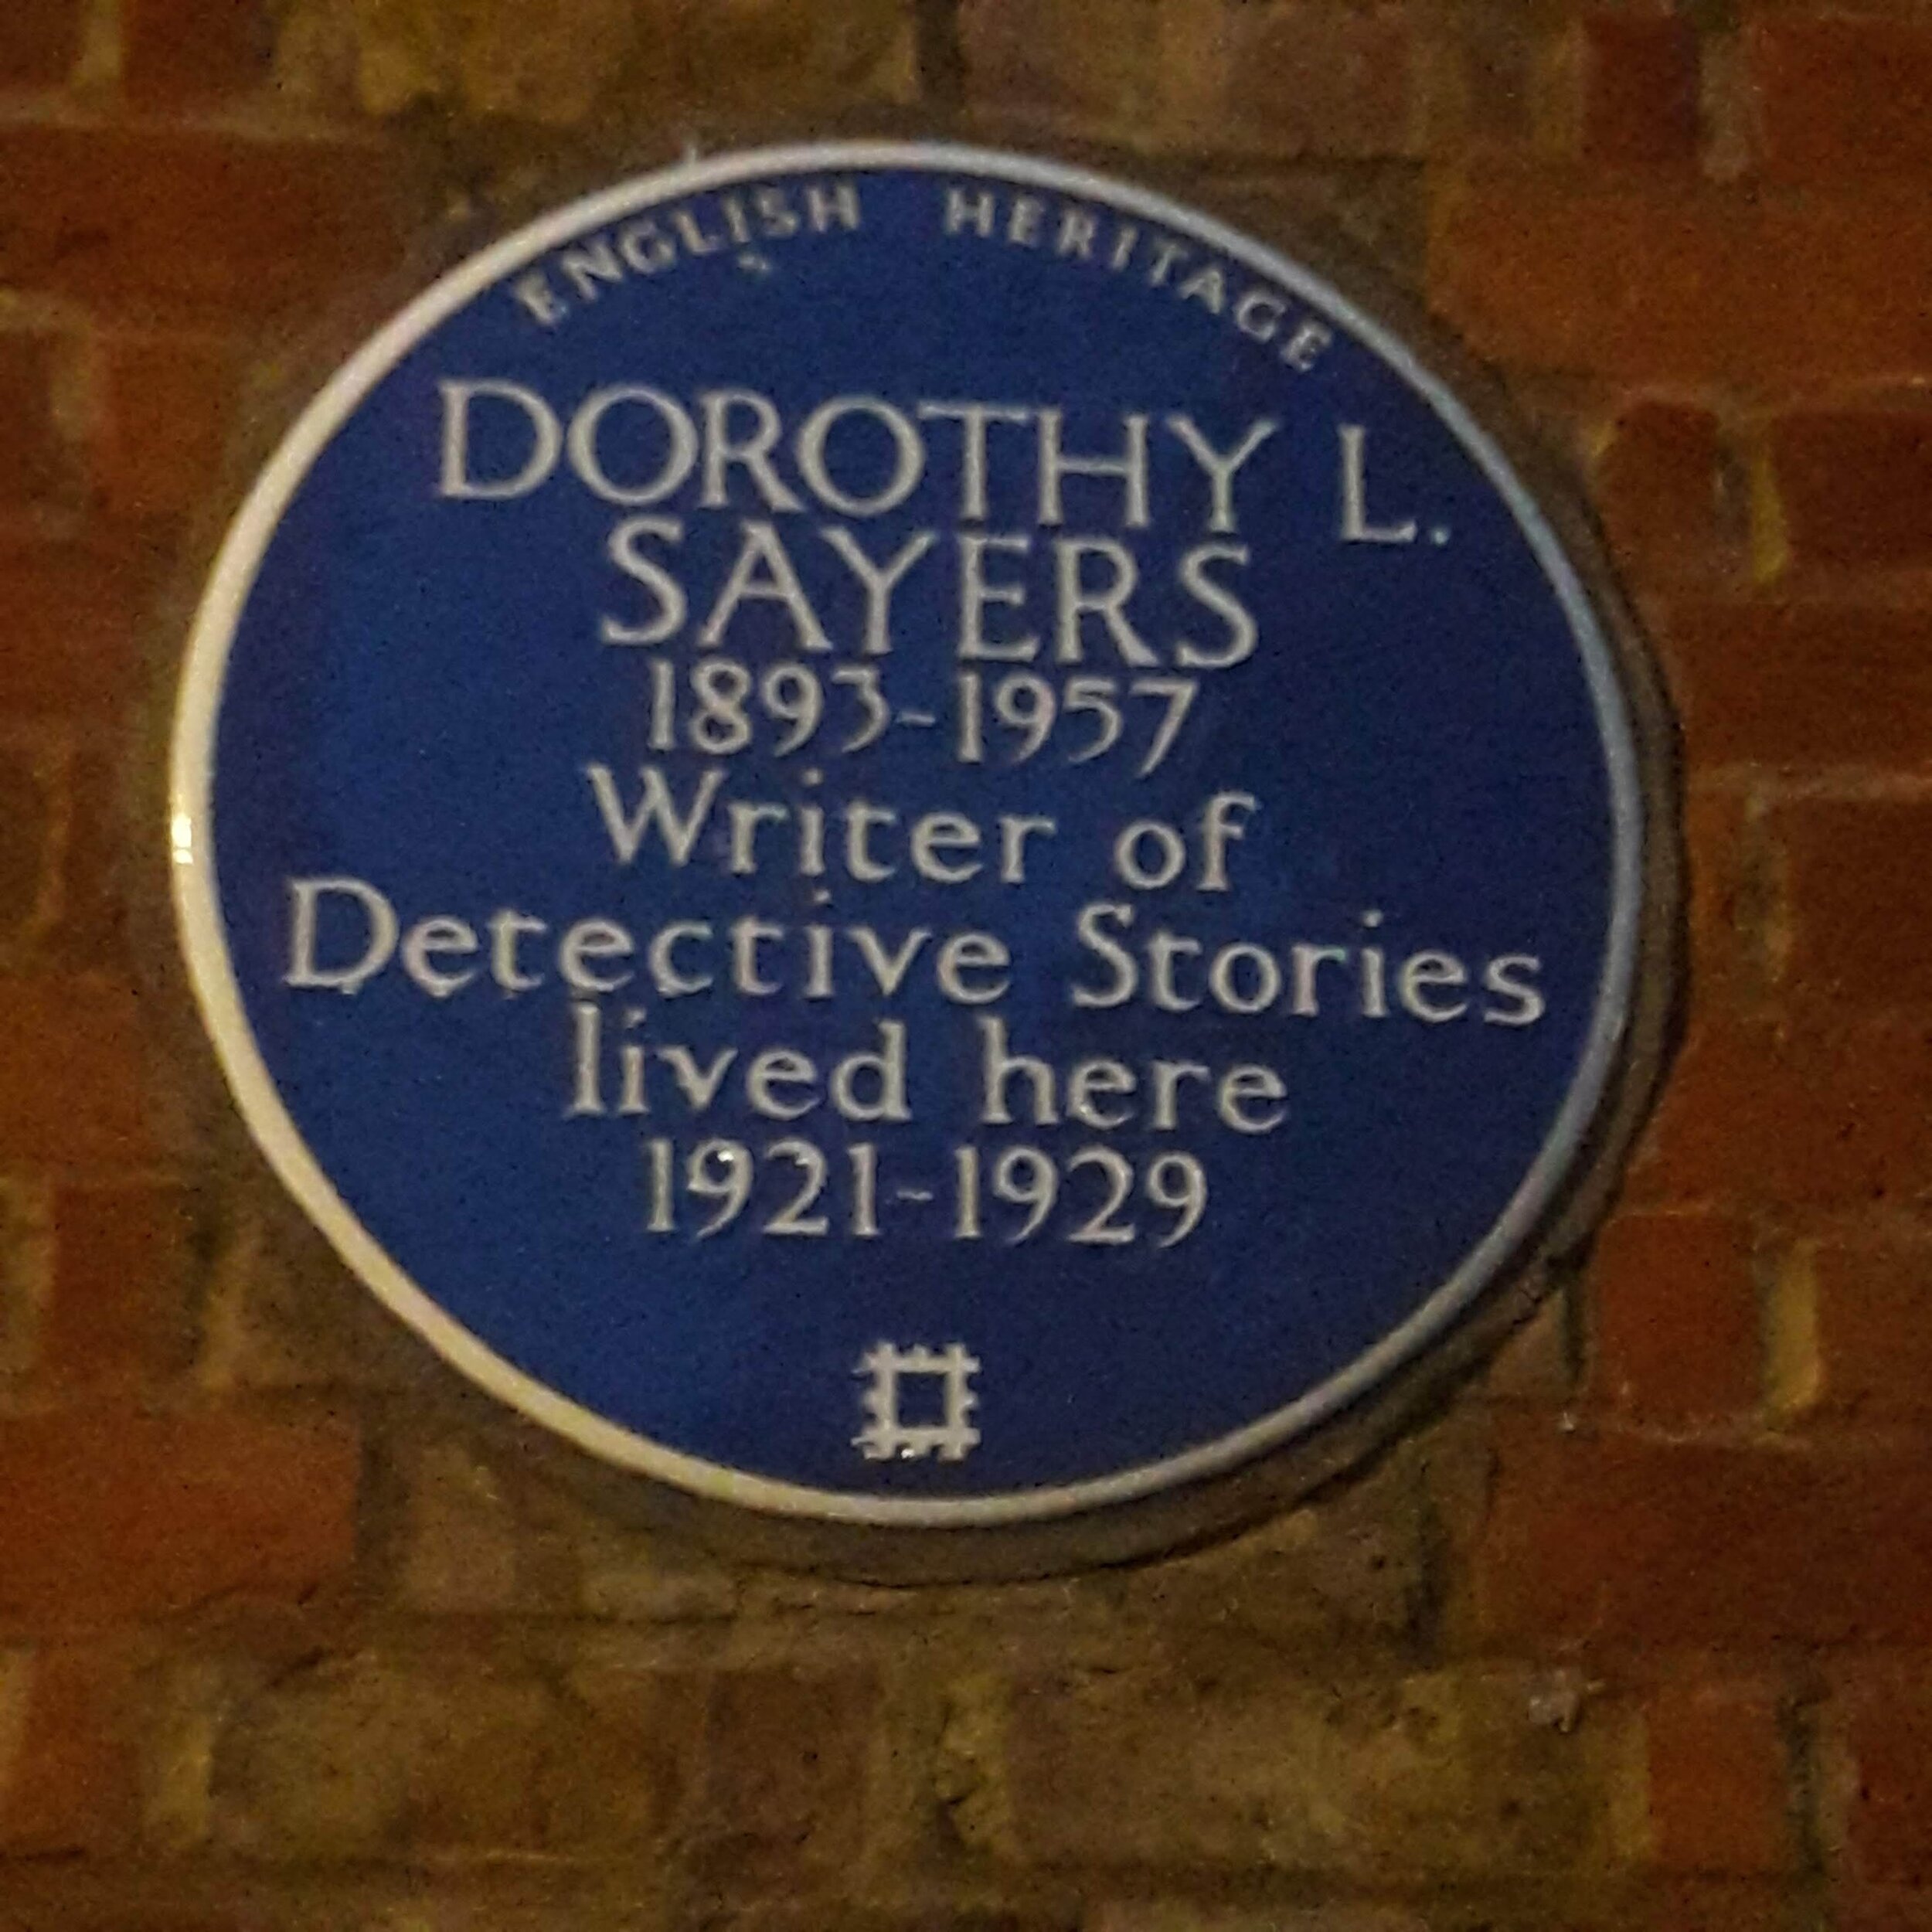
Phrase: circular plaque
(903, 835)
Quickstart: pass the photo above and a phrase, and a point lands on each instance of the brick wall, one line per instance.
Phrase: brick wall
(1637, 1633)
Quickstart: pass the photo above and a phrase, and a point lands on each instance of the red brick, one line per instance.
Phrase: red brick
(1815, 1117)
(117, 1314)
(75, 1088)
(1676, 1314)
(1187, 1915)
(74, 616)
(785, 1764)
(1720, 1771)
(1640, 82)
(39, 42)
(1840, 96)
(1856, 487)
(26, 849)
(1881, 1908)
(1885, 1722)
(179, 53)
(1494, 52)
(167, 404)
(36, 465)
(106, 1516)
(1083, 63)
(90, 925)
(1318, 79)
(1657, 486)
(1664, 284)
(1698, 1905)
(74, 1781)
(1856, 870)
(1802, 684)
(1726, 943)
(1874, 1338)
(192, 224)
(1617, 1538)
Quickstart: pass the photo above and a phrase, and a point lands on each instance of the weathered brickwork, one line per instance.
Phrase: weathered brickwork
(1636, 1633)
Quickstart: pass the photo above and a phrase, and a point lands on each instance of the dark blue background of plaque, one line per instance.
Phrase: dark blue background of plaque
(417, 684)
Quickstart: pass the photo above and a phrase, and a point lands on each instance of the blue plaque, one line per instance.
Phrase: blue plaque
(903, 835)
